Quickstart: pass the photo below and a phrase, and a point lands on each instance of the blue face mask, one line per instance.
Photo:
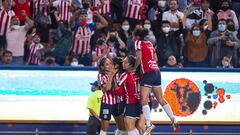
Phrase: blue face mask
(221, 27)
(196, 33)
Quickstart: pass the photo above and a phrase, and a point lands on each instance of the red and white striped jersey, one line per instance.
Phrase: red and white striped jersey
(107, 97)
(120, 92)
(32, 58)
(64, 9)
(100, 51)
(105, 9)
(133, 9)
(44, 7)
(131, 85)
(81, 40)
(5, 20)
(148, 60)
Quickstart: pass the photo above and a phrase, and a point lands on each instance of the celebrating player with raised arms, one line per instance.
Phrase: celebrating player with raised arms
(151, 78)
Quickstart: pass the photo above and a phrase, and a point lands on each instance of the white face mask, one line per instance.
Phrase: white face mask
(166, 29)
(147, 26)
(161, 3)
(16, 27)
(74, 63)
(125, 27)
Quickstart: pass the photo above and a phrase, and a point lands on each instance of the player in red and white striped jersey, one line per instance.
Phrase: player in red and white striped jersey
(131, 83)
(33, 48)
(151, 78)
(82, 35)
(64, 9)
(5, 20)
(105, 79)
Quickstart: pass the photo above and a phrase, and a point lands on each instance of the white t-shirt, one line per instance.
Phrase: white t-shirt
(172, 17)
(15, 41)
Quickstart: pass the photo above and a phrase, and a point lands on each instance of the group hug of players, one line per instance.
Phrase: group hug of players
(127, 84)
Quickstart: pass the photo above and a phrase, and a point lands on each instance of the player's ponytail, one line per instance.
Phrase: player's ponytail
(141, 33)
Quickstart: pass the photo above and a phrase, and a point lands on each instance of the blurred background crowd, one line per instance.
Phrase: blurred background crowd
(185, 33)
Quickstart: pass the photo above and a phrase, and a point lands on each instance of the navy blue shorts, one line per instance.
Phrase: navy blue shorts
(119, 109)
(151, 79)
(133, 110)
(106, 111)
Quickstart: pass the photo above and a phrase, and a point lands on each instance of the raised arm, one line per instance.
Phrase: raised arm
(102, 21)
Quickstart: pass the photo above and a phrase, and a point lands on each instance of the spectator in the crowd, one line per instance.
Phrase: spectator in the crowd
(196, 48)
(115, 43)
(16, 37)
(5, 20)
(82, 35)
(155, 14)
(87, 6)
(226, 13)
(134, 11)
(71, 59)
(116, 7)
(49, 59)
(172, 62)
(42, 7)
(63, 42)
(236, 7)
(231, 27)
(182, 5)
(167, 43)
(64, 9)
(18, 6)
(93, 105)
(198, 14)
(7, 58)
(173, 14)
(101, 49)
(33, 59)
(222, 43)
(206, 26)
(226, 62)
(150, 37)
(214, 5)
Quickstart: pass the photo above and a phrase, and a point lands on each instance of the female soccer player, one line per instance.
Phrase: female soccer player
(151, 78)
(130, 82)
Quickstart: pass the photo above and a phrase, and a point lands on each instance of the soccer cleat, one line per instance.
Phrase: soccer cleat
(148, 130)
(176, 127)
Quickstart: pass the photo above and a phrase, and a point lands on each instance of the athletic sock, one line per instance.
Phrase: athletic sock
(146, 113)
(169, 112)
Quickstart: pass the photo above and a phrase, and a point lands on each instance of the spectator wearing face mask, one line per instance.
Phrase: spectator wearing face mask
(226, 13)
(167, 43)
(155, 14)
(231, 27)
(196, 48)
(221, 42)
(16, 38)
(150, 37)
